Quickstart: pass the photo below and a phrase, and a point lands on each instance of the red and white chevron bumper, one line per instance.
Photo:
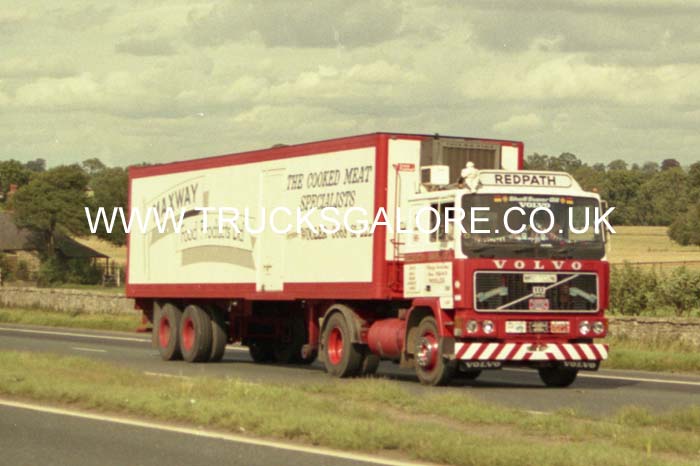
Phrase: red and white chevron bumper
(531, 351)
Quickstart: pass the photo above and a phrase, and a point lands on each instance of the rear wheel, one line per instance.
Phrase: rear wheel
(195, 334)
(341, 357)
(166, 332)
(431, 367)
(557, 376)
(219, 335)
(261, 351)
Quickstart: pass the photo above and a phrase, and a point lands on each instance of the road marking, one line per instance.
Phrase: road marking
(623, 377)
(210, 434)
(92, 350)
(163, 374)
(71, 334)
(640, 379)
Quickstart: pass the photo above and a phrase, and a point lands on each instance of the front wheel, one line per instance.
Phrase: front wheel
(431, 367)
(557, 376)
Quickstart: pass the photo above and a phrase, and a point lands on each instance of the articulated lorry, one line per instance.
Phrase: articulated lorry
(446, 294)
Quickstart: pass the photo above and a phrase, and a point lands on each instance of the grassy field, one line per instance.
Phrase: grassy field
(369, 415)
(650, 244)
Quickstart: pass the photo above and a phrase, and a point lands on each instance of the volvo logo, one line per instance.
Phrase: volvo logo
(536, 264)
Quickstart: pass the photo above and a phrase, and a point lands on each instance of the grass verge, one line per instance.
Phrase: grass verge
(117, 322)
(369, 415)
(659, 355)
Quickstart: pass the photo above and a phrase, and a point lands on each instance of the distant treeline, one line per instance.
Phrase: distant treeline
(652, 193)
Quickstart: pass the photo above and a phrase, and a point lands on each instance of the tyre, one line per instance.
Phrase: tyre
(219, 335)
(195, 334)
(341, 357)
(370, 363)
(557, 376)
(261, 351)
(166, 332)
(431, 367)
(289, 351)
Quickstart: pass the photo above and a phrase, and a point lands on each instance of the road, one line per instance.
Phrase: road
(32, 435)
(597, 393)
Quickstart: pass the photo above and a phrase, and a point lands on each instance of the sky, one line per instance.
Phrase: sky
(149, 81)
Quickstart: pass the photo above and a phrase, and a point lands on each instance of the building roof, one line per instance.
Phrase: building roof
(13, 238)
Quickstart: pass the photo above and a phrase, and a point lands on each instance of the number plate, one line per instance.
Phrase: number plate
(538, 304)
(516, 326)
(559, 326)
(539, 277)
(539, 326)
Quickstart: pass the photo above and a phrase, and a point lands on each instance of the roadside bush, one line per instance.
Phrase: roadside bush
(636, 291)
(631, 289)
(60, 270)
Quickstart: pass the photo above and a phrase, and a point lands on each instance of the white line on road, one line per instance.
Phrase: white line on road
(91, 350)
(623, 377)
(71, 334)
(639, 379)
(210, 434)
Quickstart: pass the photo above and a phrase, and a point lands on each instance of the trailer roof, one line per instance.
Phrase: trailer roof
(292, 150)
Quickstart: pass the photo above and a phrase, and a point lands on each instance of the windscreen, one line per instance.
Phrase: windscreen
(540, 226)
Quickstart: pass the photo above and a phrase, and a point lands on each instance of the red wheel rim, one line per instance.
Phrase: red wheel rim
(335, 346)
(427, 351)
(188, 333)
(164, 332)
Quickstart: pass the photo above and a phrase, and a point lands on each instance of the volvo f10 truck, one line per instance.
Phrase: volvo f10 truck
(469, 263)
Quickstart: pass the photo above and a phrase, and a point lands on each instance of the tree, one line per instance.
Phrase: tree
(650, 167)
(569, 162)
(621, 189)
(53, 201)
(537, 162)
(662, 197)
(93, 166)
(670, 163)
(110, 190)
(13, 172)
(36, 166)
(617, 165)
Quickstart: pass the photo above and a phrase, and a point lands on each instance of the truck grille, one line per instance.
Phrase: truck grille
(501, 291)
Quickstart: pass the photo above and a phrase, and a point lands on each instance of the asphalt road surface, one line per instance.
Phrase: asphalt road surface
(595, 393)
(31, 435)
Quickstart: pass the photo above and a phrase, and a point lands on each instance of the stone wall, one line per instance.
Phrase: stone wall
(65, 300)
(685, 331)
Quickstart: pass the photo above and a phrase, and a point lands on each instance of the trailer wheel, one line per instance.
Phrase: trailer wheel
(431, 367)
(290, 351)
(261, 351)
(195, 334)
(341, 357)
(557, 376)
(166, 332)
(219, 335)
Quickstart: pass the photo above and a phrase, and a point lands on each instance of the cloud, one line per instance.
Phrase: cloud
(145, 47)
(281, 23)
(27, 67)
(517, 123)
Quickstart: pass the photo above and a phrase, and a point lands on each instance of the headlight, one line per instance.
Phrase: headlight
(598, 327)
(584, 327)
(472, 326)
(487, 326)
